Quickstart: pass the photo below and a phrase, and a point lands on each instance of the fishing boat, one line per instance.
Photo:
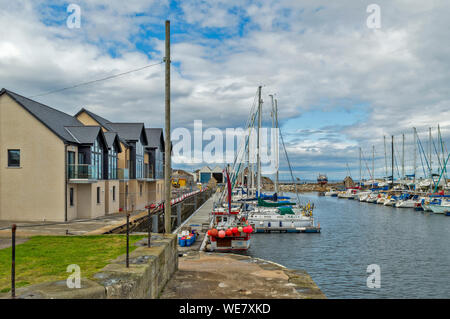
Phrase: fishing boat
(322, 179)
(230, 232)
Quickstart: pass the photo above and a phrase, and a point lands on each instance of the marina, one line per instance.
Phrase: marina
(410, 246)
(180, 150)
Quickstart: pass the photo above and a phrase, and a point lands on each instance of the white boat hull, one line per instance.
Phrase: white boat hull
(439, 209)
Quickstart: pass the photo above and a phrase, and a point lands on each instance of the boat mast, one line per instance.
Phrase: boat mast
(360, 175)
(251, 159)
(277, 164)
(373, 165)
(443, 153)
(415, 156)
(403, 156)
(392, 166)
(275, 139)
(385, 157)
(431, 169)
(259, 141)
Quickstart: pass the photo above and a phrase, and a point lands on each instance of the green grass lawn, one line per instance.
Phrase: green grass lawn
(45, 258)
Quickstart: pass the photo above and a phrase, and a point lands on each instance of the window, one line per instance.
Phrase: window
(159, 164)
(98, 195)
(97, 160)
(140, 190)
(139, 160)
(13, 158)
(114, 193)
(112, 163)
(71, 196)
(71, 164)
(81, 158)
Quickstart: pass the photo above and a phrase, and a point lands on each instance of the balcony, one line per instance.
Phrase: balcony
(123, 174)
(82, 173)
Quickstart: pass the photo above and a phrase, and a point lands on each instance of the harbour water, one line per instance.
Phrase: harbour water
(412, 249)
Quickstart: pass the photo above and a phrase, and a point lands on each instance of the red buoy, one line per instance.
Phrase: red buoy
(235, 230)
(214, 232)
(228, 232)
(221, 234)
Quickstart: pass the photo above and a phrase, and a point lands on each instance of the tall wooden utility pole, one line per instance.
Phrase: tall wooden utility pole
(168, 144)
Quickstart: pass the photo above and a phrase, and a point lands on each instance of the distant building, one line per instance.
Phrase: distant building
(348, 182)
(183, 178)
(205, 174)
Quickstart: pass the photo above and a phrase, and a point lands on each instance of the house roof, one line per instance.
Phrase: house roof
(101, 120)
(155, 137)
(217, 169)
(54, 120)
(130, 131)
(111, 138)
(84, 134)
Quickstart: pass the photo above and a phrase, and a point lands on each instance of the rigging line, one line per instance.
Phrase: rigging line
(423, 166)
(368, 170)
(290, 168)
(94, 81)
(250, 120)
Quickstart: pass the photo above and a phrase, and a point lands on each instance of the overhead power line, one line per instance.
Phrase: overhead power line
(94, 81)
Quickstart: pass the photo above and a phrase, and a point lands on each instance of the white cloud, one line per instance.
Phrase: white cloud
(304, 51)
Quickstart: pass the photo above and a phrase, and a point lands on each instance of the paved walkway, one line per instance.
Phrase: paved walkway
(199, 221)
(229, 276)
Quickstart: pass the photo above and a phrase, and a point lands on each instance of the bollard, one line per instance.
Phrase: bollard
(128, 241)
(155, 218)
(13, 261)
(149, 227)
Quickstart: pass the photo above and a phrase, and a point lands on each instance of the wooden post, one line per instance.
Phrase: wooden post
(167, 164)
(13, 261)
(128, 241)
(149, 227)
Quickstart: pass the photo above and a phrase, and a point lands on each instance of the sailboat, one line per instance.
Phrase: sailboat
(269, 213)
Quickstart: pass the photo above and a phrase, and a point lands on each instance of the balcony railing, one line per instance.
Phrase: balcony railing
(123, 173)
(82, 171)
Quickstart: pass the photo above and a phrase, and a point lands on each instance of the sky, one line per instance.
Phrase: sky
(340, 84)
